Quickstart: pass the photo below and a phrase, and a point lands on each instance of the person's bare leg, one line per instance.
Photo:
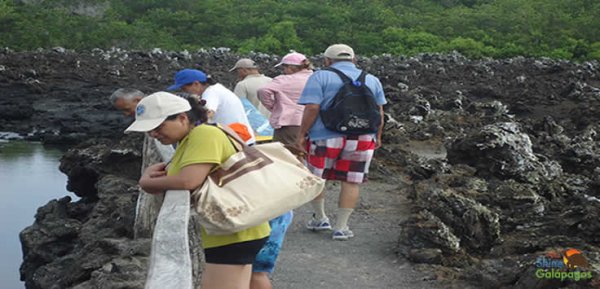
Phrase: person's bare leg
(318, 205)
(260, 280)
(219, 276)
(349, 194)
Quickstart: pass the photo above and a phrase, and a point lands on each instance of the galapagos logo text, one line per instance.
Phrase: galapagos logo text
(570, 264)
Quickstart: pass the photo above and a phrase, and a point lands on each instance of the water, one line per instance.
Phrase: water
(29, 178)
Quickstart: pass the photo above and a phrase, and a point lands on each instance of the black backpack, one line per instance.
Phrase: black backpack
(353, 109)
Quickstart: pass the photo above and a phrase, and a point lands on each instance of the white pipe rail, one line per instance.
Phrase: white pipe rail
(148, 205)
(170, 264)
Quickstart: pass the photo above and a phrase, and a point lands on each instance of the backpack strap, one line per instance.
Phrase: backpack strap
(345, 77)
(342, 75)
(362, 77)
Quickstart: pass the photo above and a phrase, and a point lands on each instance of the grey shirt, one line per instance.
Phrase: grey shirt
(249, 86)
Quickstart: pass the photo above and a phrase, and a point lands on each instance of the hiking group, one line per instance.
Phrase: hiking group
(332, 118)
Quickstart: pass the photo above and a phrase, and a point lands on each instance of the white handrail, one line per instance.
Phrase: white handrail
(170, 263)
(148, 205)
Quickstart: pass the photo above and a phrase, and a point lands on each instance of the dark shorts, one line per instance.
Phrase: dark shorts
(266, 258)
(235, 254)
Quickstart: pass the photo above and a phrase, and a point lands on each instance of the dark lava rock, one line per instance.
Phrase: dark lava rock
(503, 151)
(85, 163)
(89, 243)
(520, 176)
(477, 226)
(424, 230)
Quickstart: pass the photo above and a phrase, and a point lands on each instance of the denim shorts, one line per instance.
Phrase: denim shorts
(267, 256)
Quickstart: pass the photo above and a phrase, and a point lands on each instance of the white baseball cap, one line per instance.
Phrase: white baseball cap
(153, 109)
(339, 51)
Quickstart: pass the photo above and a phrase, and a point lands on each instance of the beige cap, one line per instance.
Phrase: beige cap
(244, 63)
(153, 109)
(339, 51)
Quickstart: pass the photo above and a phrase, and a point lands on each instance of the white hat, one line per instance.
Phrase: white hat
(244, 63)
(153, 109)
(339, 51)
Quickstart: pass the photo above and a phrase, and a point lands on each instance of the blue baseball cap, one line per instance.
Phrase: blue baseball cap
(187, 76)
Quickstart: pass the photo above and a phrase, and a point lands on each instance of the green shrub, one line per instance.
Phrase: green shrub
(476, 28)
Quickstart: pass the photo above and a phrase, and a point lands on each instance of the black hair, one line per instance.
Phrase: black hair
(172, 117)
(209, 80)
(198, 114)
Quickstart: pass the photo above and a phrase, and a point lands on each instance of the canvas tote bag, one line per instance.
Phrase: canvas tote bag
(256, 184)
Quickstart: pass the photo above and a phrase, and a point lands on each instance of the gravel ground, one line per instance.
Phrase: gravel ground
(369, 260)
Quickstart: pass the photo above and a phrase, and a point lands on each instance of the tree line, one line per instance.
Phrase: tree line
(565, 29)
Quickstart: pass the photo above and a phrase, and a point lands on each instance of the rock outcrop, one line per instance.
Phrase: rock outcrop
(89, 243)
(500, 158)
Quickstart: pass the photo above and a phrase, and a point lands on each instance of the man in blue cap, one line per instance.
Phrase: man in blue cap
(223, 105)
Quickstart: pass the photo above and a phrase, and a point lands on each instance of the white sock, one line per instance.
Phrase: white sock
(319, 208)
(343, 214)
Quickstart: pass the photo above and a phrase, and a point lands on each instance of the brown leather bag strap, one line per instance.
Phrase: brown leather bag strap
(239, 144)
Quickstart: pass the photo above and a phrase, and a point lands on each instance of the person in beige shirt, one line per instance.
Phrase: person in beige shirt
(250, 81)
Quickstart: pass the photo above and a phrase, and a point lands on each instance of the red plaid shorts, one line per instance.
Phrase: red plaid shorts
(345, 158)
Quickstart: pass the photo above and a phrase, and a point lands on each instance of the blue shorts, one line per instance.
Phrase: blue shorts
(266, 257)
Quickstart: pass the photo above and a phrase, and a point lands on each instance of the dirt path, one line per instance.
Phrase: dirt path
(311, 260)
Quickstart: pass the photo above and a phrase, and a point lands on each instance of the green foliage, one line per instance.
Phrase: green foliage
(42, 28)
(402, 41)
(280, 37)
(6, 9)
(568, 29)
(509, 49)
(468, 47)
(595, 51)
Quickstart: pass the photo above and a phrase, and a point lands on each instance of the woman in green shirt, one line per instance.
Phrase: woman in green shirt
(200, 147)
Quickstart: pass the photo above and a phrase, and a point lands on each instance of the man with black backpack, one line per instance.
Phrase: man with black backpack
(341, 127)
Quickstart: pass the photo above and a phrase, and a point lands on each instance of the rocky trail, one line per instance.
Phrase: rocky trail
(369, 260)
(487, 167)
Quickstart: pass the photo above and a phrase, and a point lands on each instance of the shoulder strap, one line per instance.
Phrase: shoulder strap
(345, 78)
(362, 78)
(239, 144)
